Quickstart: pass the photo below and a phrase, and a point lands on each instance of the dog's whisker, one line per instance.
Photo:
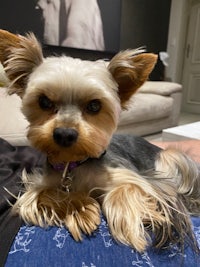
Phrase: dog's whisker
(13, 195)
(10, 193)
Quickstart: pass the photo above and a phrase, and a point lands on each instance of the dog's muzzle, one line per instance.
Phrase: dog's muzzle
(65, 137)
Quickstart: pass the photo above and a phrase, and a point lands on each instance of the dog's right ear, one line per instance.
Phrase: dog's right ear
(130, 69)
(20, 56)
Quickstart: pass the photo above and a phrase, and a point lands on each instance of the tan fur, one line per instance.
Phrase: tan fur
(94, 134)
(132, 203)
(177, 166)
(136, 204)
(20, 56)
(45, 205)
(123, 68)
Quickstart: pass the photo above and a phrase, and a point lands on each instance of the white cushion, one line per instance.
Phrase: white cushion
(13, 126)
(160, 88)
(145, 107)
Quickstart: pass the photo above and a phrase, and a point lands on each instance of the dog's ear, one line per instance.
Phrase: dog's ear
(131, 69)
(19, 55)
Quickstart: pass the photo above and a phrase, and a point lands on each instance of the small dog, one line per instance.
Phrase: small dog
(73, 109)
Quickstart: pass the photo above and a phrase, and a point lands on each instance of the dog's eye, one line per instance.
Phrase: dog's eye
(94, 106)
(45, 103)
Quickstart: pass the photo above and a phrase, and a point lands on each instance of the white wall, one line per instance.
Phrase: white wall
(177, 39)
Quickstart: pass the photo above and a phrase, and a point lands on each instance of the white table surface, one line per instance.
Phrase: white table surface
(182, 132)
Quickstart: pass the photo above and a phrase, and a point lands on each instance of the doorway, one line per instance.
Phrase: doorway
(191, 70)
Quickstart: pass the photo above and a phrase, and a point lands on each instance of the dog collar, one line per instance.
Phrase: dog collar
(60, 167)
(66, 168)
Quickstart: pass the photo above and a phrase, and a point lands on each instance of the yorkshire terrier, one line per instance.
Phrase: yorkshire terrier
(73, 108)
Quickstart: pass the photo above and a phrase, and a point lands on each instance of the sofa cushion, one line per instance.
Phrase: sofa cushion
(13, 124)
(160, 88)
(145, 107)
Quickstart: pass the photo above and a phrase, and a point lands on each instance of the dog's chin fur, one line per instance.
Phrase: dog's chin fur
(87, 97)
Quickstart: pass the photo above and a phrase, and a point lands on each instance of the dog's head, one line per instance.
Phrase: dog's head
(72, 105)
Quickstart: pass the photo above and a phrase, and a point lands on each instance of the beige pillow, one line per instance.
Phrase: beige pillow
(13, 125)
(160, 88)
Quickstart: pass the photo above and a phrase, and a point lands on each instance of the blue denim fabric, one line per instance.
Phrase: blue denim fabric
(37, 247)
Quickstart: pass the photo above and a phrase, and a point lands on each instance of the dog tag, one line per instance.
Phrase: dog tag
(66, 179)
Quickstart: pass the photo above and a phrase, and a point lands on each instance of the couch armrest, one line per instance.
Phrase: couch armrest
(160, 88)
(177, 97)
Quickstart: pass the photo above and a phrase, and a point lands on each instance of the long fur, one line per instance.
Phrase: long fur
(146, 193)
(175, 164)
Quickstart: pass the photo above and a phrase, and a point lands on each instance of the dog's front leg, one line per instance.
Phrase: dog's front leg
(46, 204)
(133, 207)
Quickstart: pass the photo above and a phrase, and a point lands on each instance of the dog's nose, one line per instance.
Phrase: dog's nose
(65, 136)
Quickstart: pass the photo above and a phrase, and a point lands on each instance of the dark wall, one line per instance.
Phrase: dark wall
(145, 23)
(21, 16)
(111, 19)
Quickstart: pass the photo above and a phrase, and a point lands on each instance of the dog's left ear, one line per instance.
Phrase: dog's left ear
(131, 69)
(19, 55)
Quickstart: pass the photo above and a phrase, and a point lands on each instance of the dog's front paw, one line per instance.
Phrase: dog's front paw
(83, 215)
(49, 207)
(42, 207)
